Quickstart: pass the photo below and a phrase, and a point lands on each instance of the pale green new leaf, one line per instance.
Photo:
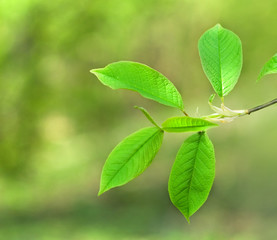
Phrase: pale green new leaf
(192, 174)
(142, 79)
(186, 124)
(221, 57)
(130, 158)
(269, 67)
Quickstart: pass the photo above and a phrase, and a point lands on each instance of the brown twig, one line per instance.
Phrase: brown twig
(254, 109)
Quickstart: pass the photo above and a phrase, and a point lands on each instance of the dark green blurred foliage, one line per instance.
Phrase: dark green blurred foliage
(58, 123)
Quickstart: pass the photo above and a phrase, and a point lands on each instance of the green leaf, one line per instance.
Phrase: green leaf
(192, 174)
(211, 98)
(269, 67)
(147, 115)
(130, 158)
(142, 79)
(221, 57)
(186, 124)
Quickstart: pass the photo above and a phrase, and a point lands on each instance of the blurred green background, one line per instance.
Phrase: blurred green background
(58, 123)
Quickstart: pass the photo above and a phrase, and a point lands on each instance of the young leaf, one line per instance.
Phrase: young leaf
(269, 67)
(142, 79)
(192, 174)
(211, 98)
(130, 158)
(147, 115)
(221, 57)
(186, 124)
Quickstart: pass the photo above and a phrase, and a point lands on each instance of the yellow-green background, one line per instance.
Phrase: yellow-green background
(58, 123)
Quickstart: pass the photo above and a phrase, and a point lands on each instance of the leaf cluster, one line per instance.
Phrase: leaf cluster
(193, 171)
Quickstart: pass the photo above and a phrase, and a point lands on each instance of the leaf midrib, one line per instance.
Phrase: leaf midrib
(219, 58)
(189, 185)
(195, 126)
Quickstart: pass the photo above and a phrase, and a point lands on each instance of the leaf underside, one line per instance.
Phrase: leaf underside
(142, 79)
(186, 124)
(130, 158)
(192, 174)
(269, 68)
(221, 57)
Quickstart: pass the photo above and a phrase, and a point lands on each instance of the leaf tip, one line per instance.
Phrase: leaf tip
(218, 25)
(95, 71)
(188, 219)
(101, 191)
(259, 77)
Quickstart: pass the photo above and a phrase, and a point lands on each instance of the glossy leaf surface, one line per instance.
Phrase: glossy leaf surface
(186, 124)
(192, 174)
(130, 158)
(142, 79)
(221, 57)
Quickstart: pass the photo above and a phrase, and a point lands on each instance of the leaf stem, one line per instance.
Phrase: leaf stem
(254, 109)
(185, 113)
